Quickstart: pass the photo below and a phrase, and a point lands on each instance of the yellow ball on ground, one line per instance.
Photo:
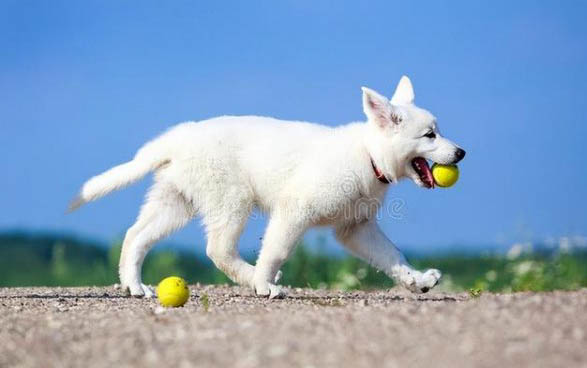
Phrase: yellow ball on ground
(173, 292)
(445, 175)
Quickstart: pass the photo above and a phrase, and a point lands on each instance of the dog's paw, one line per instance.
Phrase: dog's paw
(267, 289)
(430, 279)
(418, 282)
(141, 291)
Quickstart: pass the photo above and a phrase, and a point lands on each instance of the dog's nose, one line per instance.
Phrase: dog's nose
(459, 154)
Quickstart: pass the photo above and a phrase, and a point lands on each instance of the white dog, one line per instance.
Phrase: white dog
(301, 174)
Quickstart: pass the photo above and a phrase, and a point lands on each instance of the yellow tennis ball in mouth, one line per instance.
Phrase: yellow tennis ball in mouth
(173, 292)
(445, 175)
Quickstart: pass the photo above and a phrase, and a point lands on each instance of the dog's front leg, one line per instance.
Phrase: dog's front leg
(368, 242)
(281, 237)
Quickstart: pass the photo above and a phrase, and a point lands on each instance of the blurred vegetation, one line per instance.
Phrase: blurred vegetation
(37, 260)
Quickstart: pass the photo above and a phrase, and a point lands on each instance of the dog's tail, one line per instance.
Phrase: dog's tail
(117, 177)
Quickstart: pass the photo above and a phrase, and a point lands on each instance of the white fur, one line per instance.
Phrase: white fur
(302, 174)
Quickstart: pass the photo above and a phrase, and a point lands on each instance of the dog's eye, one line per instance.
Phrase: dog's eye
(430, 135)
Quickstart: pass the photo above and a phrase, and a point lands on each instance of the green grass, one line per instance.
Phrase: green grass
(205, 301)
(61, 261)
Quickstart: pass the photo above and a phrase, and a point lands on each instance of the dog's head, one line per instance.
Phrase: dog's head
(403, 137)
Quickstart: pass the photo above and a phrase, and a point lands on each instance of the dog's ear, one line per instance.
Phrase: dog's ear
(404, 92)
(376, 107)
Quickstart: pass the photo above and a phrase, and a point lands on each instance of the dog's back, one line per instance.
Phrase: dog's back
(257, 153)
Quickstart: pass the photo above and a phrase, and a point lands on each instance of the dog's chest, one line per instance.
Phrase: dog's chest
(350, 211)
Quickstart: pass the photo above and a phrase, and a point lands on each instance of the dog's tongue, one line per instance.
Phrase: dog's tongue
(424, 172)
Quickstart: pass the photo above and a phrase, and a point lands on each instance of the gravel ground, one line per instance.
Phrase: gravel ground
(229, 327)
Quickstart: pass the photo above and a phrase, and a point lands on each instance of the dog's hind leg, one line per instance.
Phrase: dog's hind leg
(281, 236)
(224, 231)
(165, 210)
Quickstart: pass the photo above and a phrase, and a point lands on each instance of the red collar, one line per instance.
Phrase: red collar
(378, 174)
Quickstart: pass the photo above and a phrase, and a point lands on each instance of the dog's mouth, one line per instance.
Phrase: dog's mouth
(420, 165)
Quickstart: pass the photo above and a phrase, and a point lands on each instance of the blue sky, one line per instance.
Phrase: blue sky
(84, 84)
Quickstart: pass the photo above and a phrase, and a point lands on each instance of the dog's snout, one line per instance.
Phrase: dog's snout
(459, 154)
